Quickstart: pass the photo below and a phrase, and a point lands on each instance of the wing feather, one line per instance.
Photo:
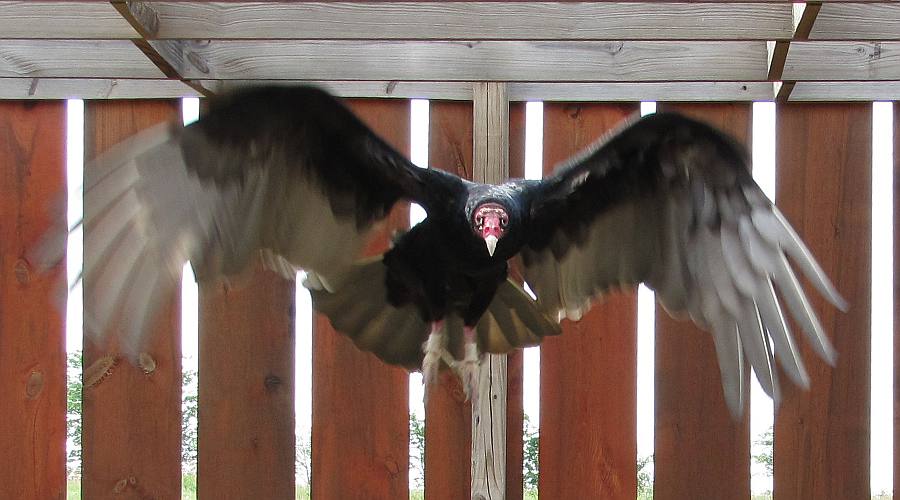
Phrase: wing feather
(286, 173)
(669, 201)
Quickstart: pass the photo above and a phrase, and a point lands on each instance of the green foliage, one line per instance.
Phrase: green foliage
(74, 363)
(417, 448)
(765, 457)
(530, 472)
(189, 423)
(645, 478)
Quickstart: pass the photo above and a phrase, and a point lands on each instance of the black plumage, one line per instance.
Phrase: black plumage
(290, 174)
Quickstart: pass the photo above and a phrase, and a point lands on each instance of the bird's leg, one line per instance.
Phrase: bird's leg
(468, 369)
(434, 347)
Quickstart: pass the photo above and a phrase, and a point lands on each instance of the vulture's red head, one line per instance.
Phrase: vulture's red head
(490, 221)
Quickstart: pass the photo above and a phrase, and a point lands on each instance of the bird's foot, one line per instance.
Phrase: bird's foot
(434, 348)
(467, 369)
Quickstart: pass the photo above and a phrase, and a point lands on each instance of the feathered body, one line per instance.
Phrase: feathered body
(292, 175)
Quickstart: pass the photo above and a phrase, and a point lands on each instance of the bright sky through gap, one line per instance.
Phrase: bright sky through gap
(531, 357)
(646, 355)
(762, 415)
(882, 387)
(419, 125)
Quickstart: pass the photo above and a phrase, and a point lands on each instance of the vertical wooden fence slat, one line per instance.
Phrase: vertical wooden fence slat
(360, 409)
(131, 430)
(896, 201)
(448, 422)
(824, 190)
(32, 305)
(588, 445)
(515, 413)
(700, 451)
(246, 441)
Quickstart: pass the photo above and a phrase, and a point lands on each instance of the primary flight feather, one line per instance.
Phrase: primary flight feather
(290, 175)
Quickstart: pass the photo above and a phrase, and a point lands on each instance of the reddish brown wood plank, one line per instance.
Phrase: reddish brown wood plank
(588, 447)
(448, 422)
(360, 409)
(896, 300)
(700, 451)
(515, 412)
(32, 305)
(132, 421)
(246, 372)
(824, 190)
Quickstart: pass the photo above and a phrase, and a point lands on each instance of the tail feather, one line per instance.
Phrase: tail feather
(358, 307)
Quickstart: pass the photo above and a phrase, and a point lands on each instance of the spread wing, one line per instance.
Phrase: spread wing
(288, 173)
(670, 202)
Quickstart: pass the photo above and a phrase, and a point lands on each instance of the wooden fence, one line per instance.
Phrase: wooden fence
(132, 424)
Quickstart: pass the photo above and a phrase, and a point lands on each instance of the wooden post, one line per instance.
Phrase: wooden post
(131, 434)
(32, 304)
(824, 188)
(491, 148)
(700, 450)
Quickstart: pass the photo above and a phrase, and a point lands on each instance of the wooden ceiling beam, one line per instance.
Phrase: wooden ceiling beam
(167, 55)
(804, 19)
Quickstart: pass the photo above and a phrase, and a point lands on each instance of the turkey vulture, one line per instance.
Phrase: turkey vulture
(291, 175)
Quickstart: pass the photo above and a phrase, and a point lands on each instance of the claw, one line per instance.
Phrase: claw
(434, 349)
(467, 369)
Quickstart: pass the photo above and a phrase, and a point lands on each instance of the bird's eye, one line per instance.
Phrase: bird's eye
(504, 221)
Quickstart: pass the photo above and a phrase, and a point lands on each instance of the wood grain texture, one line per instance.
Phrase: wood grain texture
(89, 88)
(479, 61)
(131, 438)
(857, 22)
(490, 165)
(246, 391)
(32, 304)
(824, 190)
(536, 91)
(448, 421)
(830, 60)
(515, 411)
(845, 91)
(474, 20)
(701, 452)
(360, 409)
(39, 19)
(588, 447)
(74, 59)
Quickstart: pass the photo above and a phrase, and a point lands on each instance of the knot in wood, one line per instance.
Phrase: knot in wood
(35, 384)
(272, 382)
(146, 363)
(392, 466)
(22, 271)
(120, 486)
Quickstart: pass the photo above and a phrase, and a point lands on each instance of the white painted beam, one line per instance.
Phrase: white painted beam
(96, 88)
(74, 59)
(828, 60)
(35, 19)
(483, 61)
(475, 20)
(841, 21)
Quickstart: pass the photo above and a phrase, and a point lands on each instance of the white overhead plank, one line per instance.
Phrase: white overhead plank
(479, 61)
(526, 91)
(474, 20)
(843, 61)
(31, 19)
(846, 91)
(66, 88)
(839, 21)
(74, 59)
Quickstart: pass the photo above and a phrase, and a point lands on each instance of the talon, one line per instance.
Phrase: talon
(469, 366)
(434, 348)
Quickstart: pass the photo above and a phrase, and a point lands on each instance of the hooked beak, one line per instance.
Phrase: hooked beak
(491, 242)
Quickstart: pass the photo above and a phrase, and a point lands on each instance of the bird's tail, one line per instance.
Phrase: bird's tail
(359, 308)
